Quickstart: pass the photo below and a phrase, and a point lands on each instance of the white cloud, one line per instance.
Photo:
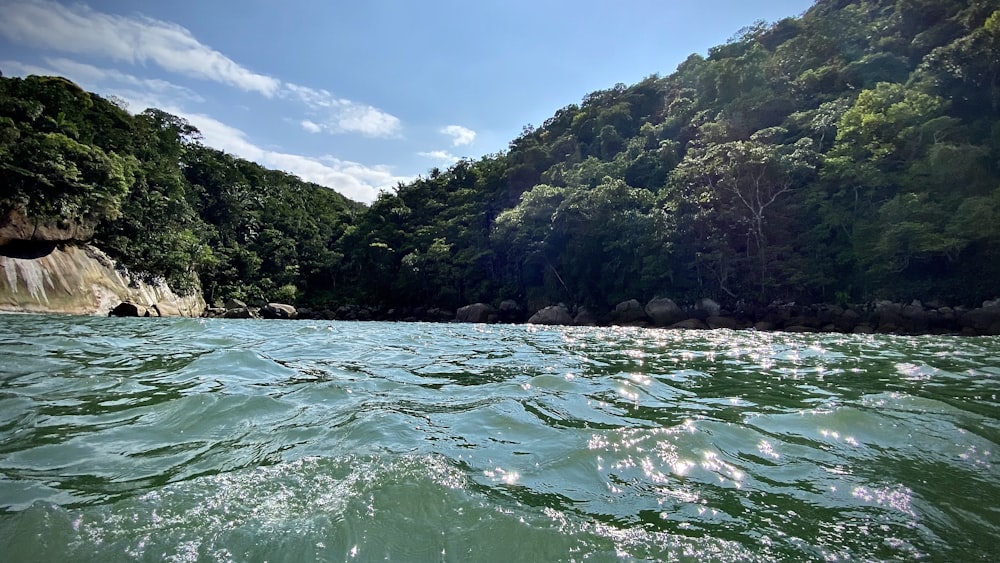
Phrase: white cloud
(137, 40)
(460, 135)
(311, 126)
(354, 180)
(337, 115)
(443, 156)
(139, 93)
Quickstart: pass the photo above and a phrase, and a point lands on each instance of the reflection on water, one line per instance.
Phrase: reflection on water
(196, 440)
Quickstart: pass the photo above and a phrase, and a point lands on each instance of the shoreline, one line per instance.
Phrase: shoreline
(881, 317)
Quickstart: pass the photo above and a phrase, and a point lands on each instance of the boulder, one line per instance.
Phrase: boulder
(708, 306)
(552, 315)
(691, 324)
(240, 313)
(722, 322)
(435, 314)
(663, 311)
(804, 321)
(510, 311)
(915, 317)
(235, 304)
(629, 312)
(888, 316)
(476, 313)
(983, 320)
(847, 321)
(585, 317)
(129, 309)
(278, 311)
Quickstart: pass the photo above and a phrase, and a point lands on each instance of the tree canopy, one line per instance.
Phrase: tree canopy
(850, 153)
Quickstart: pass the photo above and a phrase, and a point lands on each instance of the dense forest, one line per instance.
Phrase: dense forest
(846, 155)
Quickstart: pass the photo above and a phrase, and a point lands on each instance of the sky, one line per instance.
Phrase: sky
(360, 95)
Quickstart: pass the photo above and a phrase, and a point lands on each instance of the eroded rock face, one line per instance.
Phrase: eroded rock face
(82, 280)
(15, 227)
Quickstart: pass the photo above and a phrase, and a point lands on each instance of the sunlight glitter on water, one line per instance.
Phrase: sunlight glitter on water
(355, 441)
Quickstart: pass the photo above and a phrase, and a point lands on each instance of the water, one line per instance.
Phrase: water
(214, 440)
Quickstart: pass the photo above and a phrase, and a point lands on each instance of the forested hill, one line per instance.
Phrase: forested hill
(847, 155)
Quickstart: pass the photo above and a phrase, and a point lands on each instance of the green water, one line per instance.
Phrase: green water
(212, 440)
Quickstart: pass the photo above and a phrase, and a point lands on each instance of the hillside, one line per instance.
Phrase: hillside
(848, 155)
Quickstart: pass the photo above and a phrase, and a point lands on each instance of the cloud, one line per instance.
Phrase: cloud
(460, 135)
(136, 40)
(311, 126)
(443, 156)
(354, 180)
(337, 115)
(139, 40)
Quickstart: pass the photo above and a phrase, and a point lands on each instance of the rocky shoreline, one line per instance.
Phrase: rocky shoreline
(882, 317)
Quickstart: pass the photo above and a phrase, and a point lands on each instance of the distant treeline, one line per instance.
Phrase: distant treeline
(847, 155)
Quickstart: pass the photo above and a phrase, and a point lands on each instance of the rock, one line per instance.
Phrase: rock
(888, 315)
(803, 321)
(628, 312)
(663, 311)
(16, 226)
(81, 280)
(235, 304)
(475, 313)
(985, 321)
(706, 307)
(510, 311)
(585, 317)
(240, 313)
(552, 315)
(690, 324)
(763, 326)
(278, 311)
(129, 309)
(722, 322)
(166, 310)
(863, 328)
(439, 315)
(915, 318)
(847, 321)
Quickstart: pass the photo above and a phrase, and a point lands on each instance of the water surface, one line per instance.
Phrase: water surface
(226, 440)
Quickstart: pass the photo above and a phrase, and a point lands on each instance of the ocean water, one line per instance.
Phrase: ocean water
(227, 440)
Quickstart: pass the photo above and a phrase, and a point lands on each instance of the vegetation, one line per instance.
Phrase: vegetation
(849, 154)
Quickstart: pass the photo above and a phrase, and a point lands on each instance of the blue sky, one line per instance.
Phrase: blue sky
(359, 95)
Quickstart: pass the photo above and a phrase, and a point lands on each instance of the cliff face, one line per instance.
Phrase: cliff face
(82, 280)
(16, 226)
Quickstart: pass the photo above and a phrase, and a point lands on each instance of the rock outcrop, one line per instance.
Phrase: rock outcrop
(476, 313)
(82, 280)
(628, 313)
(16, 226)
(552, 315)
(278, 311)
(664, 312)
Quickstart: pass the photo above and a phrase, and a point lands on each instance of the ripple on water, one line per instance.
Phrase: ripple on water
(239, 440)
